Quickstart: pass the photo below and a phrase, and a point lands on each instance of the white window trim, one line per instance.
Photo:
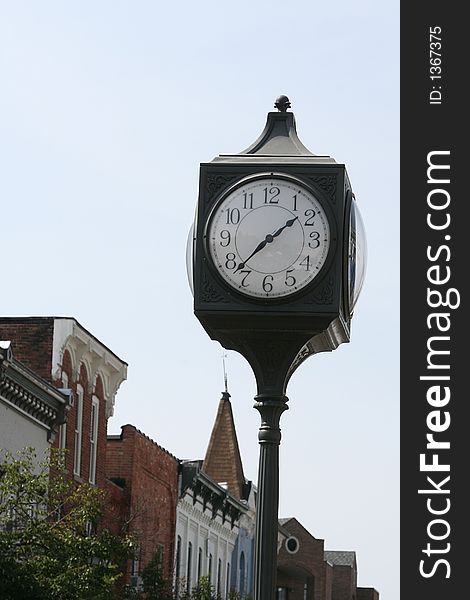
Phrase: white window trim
(77, 457)
(95, 412)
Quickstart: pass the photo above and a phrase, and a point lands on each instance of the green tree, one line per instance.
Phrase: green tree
(156, 585)
(50, 547)
(204, 590)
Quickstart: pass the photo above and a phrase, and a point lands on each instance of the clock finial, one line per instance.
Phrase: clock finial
(282, 103)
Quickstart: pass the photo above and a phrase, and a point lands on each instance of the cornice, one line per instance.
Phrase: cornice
(30, 394)
(87, 350)
(191, 511)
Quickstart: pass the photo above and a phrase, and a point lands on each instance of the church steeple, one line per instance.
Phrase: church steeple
(223, 462)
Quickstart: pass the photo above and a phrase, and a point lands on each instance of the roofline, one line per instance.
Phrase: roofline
(39, 318)
(119, 436)
(30, 394)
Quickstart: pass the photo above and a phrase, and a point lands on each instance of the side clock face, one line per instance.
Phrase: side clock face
(357, 256)
(269, 237)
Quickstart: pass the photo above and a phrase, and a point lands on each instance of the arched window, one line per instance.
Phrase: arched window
(177, 561)
(209, 571)
(199, 564)
(77, 456)
(227, 581)
(189, 566)
(219, 576)
(95, 405)
(63, 427)
(242, 574)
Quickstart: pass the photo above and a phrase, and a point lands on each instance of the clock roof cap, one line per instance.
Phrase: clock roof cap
(278, 142)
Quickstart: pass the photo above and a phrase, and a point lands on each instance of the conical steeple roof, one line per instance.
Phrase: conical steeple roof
(223, 462)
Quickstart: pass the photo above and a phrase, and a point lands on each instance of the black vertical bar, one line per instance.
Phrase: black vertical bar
(267, 504)
(434, 292)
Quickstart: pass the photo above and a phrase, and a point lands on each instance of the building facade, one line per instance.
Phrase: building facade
(223, 464)
(306, 571)
(142, 497)
(31, 410)
(207, 528)
(64, 354)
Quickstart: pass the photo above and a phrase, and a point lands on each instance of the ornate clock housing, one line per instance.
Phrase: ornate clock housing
(269, 247)
(268, 236)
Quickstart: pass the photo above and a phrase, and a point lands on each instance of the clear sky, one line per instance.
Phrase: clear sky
(107, 108)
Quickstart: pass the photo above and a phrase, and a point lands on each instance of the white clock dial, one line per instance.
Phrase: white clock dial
(269, 237)
(357, 256)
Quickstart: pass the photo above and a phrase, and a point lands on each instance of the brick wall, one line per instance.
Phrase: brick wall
(344, 583)
(367, 594)
(328, 581)
(32, 342)
(148, 476)
(306, 566)
(115, 516)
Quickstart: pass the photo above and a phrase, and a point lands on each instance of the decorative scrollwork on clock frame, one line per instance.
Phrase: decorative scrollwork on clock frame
(328, 184)
(209, 293)
(215, 183)
(325, 294)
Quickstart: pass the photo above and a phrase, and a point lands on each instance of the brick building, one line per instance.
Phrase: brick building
(142, 497)
(66, 355)
(301, 573)
(306, 571)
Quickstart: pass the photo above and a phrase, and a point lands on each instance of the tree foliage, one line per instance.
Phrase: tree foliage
(204, 590)
(156, 585)
(50, 544)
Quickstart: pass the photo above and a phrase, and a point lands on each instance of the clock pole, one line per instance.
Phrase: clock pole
(272, 361)
(267, 506)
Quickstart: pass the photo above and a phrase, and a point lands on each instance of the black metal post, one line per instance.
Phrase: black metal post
(267, 506)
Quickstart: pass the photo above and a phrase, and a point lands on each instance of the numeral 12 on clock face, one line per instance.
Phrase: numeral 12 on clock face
(269, 237)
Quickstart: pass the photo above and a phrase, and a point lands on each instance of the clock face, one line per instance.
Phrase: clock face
(357, 255)
(269, 237)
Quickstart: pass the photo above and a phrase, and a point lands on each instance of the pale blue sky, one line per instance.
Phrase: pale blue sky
(106, 110)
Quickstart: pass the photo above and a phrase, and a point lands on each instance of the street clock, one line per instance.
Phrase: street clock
(276, 260)
(277, 248)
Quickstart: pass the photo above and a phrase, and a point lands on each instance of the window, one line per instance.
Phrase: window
(209, 572)
(77, 458)
(189, 565)
(227, 581)
(95, 405)
(63, 427)
(178, 562)
(199, 564)
(219, 575)
(135, 566)
(242, 574)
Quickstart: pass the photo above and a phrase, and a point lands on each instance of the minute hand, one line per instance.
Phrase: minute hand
(289, 223)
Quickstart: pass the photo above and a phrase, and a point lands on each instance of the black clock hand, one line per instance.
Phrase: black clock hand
(267, 240)
(260, 246)
(289, 223)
